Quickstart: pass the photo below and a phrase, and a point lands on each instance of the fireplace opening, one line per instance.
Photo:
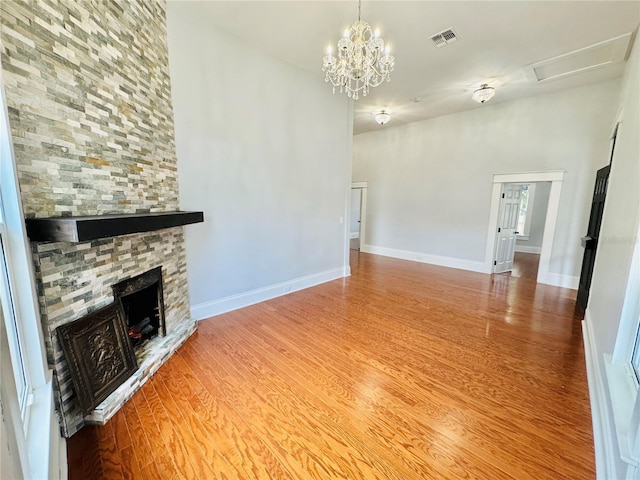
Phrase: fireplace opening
(141, 301)
(141, 311)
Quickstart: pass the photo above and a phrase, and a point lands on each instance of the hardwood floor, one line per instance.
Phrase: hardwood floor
(525, 265)
(401, 371)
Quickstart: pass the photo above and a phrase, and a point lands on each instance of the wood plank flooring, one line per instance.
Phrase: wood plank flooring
(401, 371)
(525, 265)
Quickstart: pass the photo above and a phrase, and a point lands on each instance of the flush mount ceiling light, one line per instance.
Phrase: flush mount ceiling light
(484, 93)
(363, 60)
(382, 116)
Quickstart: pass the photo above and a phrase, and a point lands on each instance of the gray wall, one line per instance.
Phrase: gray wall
(612, 311)
(619, 228)
(264, 150)
(433, 197)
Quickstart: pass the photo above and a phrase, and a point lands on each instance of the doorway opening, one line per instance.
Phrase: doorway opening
(523, 210)
(354, 219)
(357, 215)
(510, 246)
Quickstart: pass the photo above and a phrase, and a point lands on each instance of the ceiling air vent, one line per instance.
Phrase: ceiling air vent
(444, 38)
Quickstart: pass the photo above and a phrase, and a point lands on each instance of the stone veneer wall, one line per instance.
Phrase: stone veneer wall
(88, 93)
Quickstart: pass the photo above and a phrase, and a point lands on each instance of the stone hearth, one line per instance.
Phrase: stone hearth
(150, 357)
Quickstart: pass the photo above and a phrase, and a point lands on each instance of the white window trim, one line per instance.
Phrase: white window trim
(34, 439)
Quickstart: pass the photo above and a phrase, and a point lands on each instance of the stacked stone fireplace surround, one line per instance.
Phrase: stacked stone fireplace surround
(89, 100)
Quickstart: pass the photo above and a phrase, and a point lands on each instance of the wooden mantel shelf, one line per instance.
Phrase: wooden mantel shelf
(82, 229)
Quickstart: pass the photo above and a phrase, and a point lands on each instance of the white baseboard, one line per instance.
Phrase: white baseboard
(560, 280)
(234, 302)
(354, 235)
(555, 279)
(603, 435)
(528, 249)
(427, 258)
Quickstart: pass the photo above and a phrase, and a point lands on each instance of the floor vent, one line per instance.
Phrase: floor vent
(444, 38)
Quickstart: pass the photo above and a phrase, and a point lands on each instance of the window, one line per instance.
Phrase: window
(10, 279)
(526, 207)
(629, 354)
(14, 335)
(26, 387)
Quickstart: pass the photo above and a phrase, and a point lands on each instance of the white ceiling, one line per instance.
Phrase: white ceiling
(496, 40)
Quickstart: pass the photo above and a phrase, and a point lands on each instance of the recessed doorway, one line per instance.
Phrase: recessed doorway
(551, 180)
(354, 219)
(357, 215)
(526, 221)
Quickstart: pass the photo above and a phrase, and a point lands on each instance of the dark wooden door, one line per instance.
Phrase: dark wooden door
(590, 241)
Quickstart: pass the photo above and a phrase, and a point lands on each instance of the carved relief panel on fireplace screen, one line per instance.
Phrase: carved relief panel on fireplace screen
(98, 353)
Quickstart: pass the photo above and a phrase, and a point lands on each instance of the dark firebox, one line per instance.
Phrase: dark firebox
(141, 301)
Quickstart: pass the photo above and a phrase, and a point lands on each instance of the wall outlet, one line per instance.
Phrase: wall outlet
(286, 288)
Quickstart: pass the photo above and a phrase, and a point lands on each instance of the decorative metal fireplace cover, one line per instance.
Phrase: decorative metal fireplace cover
(99, 354)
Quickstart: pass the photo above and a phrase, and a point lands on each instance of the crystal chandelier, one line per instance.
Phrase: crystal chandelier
(363, 60)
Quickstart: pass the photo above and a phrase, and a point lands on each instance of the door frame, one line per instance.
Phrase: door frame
(363, 186)
(556, 178)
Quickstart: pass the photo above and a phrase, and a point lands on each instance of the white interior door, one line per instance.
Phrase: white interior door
(507, 225)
